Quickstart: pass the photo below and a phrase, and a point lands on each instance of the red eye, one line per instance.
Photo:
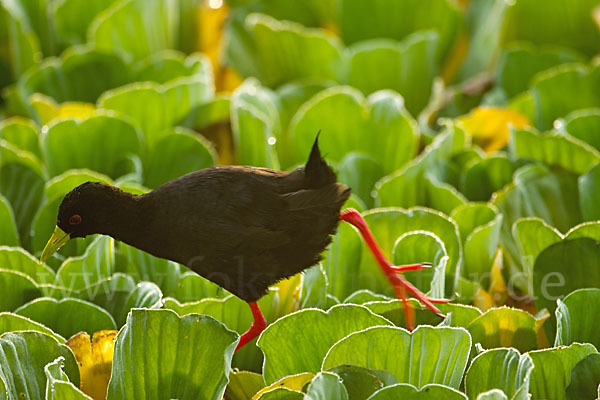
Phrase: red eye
(75, 219)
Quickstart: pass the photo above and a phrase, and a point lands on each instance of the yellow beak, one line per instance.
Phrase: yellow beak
(58, 240)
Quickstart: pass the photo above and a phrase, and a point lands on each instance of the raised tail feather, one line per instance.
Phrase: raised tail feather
(317, 172)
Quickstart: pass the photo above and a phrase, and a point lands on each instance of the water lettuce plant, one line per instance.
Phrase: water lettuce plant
(470, 141)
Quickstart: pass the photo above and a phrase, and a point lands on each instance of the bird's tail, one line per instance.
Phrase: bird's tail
(317, 172)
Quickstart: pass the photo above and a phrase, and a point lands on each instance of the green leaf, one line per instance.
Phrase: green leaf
(21, 44)
(210, 114)
(428, 355)
(480, 249)
(8, 225)
(392, 134)
(160, 355)
(17, 259)
(441, 196)
(419, 247)
(484, 20)
(298, 342)
(24, 188)
(68, 77)
(10, 154)
(570, 25)
(23, 356)
(119, 293)
(191, 287)
(135, 29)
(457, 315)
(175, 154)
(286, 51)
(519, 63)
(406, 391)
(586, 229)
(585, 379)
(290, 98)
(576, 318)
(313, 289)
(72, 18)
(494, 394)
(308, 13)
(504, 369)
(101, 142)
(154, 107)
(551, 374)
(281, 393)
(254, 123)
(589, 193)
(326, 386)
(21, 133)
(505, 327)
(58, 386)
(564, 267)
(236, 315)
(35, 13)
(243, 385)
(17, 289)
(62, 184)
(408, 67)
(190, 27)
(68, 316)
(563, 89)
(166, 66)
(532, 235)
(582, 124)
(483, 177)
(10, 322)
(95, 264)
(143, 266)
(360, 172)
(364, 296)
(362, 382)
(408, 186)
(479, 225)
(536, 192)
(471, 216)
(392, 19)
(338, 136)
(554, 150)
(342, 262)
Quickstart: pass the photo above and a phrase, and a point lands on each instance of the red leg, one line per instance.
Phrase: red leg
(258, 325)
(393, 273)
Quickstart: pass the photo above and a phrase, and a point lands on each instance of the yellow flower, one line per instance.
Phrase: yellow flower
(94, 358)
(490, 126)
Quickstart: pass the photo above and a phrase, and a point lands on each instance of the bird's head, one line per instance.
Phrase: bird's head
(77, 215)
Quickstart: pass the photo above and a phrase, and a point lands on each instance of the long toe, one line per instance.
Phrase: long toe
(411, 267)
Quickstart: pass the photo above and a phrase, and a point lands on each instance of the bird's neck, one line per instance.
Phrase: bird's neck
(124, 216)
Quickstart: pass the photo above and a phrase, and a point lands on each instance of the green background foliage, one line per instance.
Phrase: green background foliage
(469, 131)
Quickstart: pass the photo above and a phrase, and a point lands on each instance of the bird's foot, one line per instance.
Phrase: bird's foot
(258, 325)
(417, 267)
(394, 273)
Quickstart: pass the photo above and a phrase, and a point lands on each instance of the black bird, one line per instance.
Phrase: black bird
(243, 228)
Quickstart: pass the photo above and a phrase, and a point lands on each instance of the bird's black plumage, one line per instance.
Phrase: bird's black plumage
(244, 228)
